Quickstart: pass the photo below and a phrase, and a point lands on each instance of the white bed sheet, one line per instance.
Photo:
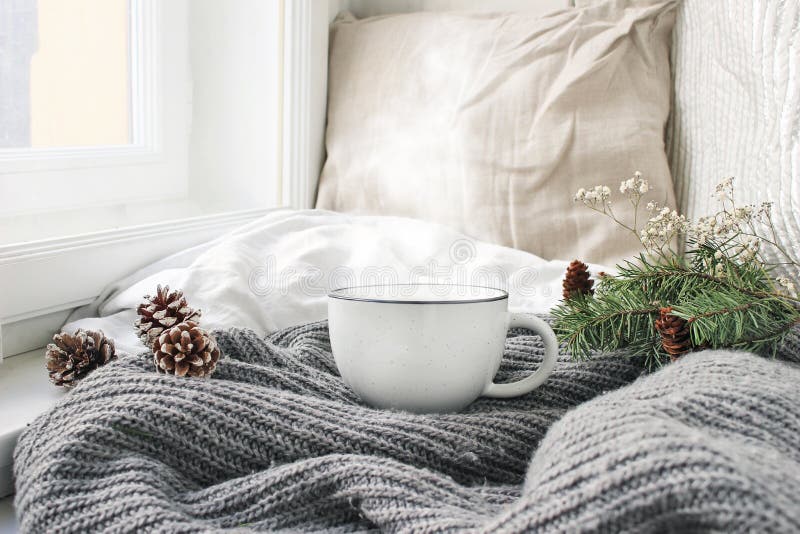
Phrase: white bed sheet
(275, 272)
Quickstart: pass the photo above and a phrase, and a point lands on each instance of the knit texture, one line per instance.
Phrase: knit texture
(736, 108)
(276, 441)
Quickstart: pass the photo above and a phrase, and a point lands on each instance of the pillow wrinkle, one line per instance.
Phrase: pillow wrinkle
(490, 123)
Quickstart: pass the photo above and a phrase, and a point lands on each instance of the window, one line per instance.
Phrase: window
(128, 112)
(129, 130)
(68, 73)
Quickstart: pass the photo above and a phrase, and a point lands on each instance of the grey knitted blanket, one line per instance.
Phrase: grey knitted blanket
(276, 441)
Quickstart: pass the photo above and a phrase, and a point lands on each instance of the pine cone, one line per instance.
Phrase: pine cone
(72, 357)
(674, 331)
(186, 349)
(161, 311)
(577, 280)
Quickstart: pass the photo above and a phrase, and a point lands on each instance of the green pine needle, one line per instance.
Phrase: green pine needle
(727, 305)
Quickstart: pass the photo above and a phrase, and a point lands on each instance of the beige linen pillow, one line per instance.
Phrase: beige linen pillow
(489, 123)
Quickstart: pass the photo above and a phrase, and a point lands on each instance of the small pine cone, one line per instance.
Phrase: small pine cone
(577, 280)
(72, 357)
(161, 311)
(674, 331)
(186, 349)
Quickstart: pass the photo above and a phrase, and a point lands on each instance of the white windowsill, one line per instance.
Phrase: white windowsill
(25, 393)
(32, 275)
(34, 227)
(8, 522)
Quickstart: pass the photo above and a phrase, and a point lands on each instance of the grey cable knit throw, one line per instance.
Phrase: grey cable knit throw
(276, 441)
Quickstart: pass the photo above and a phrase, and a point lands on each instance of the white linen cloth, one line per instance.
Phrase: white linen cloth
(275, 272)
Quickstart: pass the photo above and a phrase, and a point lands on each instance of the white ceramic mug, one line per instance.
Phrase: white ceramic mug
(428, 347)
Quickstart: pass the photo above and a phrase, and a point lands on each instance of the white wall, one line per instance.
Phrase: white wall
(234, 56)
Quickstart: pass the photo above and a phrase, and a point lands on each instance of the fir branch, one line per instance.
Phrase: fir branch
(614, 321)
(674, 278)
(723, 287)
(723, 320)
(721, 312)
(768, 342)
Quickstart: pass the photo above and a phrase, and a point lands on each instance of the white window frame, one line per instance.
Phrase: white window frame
(159, 116)
(143, 25)
(35, 296)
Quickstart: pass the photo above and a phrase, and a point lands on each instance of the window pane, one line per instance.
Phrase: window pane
(65, 71)
(209, 136)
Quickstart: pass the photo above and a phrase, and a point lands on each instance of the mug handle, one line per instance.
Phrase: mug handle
(526, 385)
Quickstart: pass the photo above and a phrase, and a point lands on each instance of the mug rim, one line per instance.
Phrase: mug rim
(332, 295)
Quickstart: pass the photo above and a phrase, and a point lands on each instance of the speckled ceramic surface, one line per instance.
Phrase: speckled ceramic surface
(428, 348)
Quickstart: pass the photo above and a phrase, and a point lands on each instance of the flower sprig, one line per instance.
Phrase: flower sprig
(741, 232)
(721, 292)
(662, 226)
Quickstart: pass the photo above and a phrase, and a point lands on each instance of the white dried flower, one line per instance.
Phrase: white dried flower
(661, 228)
(634, 187)
(726, 183)
(787, 284)
(703, 229)
(744, 213)
(724, 190)
(599, 194)
(748, 248)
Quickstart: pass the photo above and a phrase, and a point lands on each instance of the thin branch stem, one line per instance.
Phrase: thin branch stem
(721, 281)
(610, 213)
(723, 311)
(777, 246)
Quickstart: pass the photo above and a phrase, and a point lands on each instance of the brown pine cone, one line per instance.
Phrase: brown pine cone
(674, 331)
(161, 311)
(186, 350)
(577, 280)
(72, 357)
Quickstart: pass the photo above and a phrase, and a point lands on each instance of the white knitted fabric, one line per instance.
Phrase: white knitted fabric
(736, 106)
